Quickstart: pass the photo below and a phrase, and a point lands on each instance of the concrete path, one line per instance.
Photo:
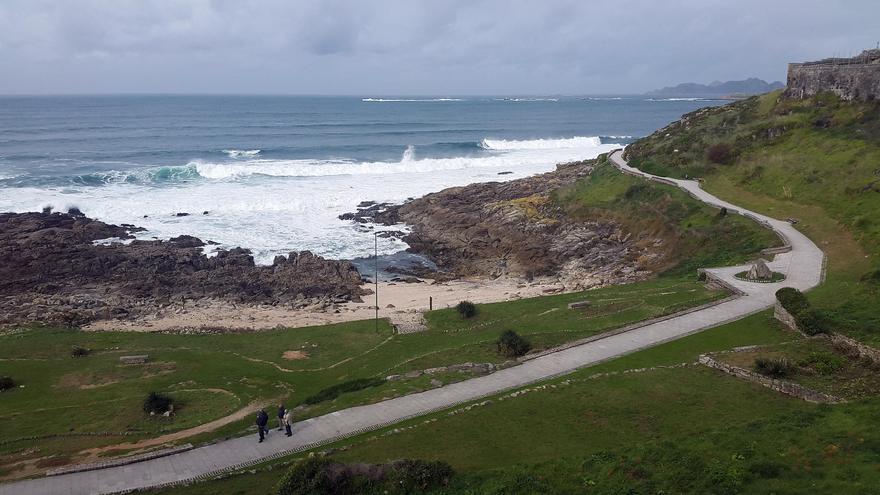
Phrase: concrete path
(802, 266)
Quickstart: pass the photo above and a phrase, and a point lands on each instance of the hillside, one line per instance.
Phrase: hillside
(816, 160)
(746, 87)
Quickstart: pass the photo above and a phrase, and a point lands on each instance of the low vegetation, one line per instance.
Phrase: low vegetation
(322, 476)
(6, 383)
(511, 345)
(774, 367)
(78, 351)
(157, 403)
(466, 309)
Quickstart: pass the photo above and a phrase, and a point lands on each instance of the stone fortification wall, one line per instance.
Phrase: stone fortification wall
(856, 78)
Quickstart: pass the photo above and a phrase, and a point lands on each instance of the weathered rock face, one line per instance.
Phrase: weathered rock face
(514, 228)
(856, 78)
(52, 272)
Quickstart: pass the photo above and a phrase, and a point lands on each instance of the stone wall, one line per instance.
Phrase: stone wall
(785, 317)
(856, 347)
(856, 78)
(781, 386)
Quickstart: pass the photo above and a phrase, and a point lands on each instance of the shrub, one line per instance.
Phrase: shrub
(466, 309)
(825, 363)
(309, 476)
(414, 475)
(719, 153)
(510, 344)
(78, 351)
(774, 367)
(157, 403)
(6, 383)
(812, 321)
(793, 300)
(335, 391)
(722, 212)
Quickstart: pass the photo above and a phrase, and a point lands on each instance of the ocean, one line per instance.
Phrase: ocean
(272, 173)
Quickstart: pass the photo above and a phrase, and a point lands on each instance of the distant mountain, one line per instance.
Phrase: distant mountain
(718, 89)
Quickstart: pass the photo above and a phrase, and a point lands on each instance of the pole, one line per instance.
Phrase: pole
(376, 247)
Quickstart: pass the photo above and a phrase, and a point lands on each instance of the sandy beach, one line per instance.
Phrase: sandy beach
(401, 303)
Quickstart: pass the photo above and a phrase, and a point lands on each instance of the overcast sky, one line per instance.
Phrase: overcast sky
(414, 47)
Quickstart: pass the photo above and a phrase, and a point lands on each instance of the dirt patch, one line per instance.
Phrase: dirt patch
(295, 355)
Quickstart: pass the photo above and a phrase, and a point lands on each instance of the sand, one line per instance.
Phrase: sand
(401, 302)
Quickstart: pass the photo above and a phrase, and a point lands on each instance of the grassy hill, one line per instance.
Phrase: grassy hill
(815, 160)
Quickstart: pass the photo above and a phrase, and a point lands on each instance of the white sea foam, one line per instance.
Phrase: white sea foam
(541, 144)
(241, 153)
(380, 100)
(526, 99)
(680, 99)
(276, 206)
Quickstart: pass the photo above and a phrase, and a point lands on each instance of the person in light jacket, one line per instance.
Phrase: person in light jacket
(281, 411)
(287, 424)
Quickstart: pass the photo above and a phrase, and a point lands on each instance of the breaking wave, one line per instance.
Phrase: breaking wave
(379, 100)
(241, 153)
(541, 144)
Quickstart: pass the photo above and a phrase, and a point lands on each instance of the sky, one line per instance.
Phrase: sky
(414, 47)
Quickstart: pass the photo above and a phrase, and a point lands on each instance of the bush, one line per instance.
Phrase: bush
(812, 321)
(825, 363)
(466, 309)
(511, 345)
(774, 367)
(414, 475)
(157, 403)
(78, 351)
(319, 476)
(335, 391)
(309, 476)
(793, 300)
(719, 153)
(6, 383)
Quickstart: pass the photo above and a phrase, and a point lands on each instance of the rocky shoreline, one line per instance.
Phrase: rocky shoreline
(513, 229)
(53, 272)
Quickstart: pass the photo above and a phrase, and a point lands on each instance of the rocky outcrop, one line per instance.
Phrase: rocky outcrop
(52, 271)
(856, 78)
(516, 229)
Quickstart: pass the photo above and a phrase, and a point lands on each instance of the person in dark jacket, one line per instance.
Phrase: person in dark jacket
(262, 424)
(281, 412)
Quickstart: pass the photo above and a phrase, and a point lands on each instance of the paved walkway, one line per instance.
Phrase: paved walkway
(802, 266)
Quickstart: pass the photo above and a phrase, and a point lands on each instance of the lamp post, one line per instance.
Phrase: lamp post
(376, 280)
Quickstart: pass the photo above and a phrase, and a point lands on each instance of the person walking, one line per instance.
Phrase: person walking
(281, 412)
(262, 423)
(287, 425)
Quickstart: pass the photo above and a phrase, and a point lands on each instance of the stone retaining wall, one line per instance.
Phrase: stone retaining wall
(857, 347)
(786, 318)
(781, 386)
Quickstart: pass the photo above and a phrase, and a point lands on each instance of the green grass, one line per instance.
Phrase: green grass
(692, 235)
(815, 160)
(215, 375)
(680, 430)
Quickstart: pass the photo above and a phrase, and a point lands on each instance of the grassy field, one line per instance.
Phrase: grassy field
(667, 430)
(212, 376)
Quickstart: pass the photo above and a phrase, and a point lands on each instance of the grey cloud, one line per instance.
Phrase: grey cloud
(413, 47)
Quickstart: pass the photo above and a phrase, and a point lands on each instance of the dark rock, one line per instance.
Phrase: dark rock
(505, 173)
(51, 272)
(205, 212)
(181, 214)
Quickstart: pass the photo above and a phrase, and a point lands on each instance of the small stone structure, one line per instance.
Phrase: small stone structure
(856, 347)
(139, 359)
(856, 78)
(760, 271)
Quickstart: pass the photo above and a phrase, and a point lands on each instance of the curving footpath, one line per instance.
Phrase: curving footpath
(802, 265)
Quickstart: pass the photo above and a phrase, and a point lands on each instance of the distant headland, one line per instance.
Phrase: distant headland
(718, 89)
